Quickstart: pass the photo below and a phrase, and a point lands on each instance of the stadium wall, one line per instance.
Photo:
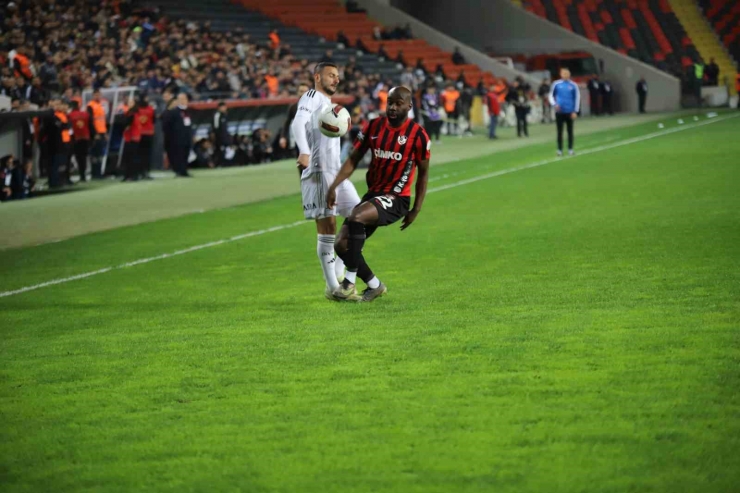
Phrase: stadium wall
(508, 29)
(389, 15)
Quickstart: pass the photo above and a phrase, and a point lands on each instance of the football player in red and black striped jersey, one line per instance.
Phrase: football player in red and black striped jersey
(400, 149)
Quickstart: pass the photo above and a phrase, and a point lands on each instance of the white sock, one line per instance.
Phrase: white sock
(338, 267)
(351, 276)
(373, 283)
(325, 252)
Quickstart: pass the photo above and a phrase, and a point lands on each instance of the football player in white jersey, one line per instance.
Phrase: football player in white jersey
(319, 163)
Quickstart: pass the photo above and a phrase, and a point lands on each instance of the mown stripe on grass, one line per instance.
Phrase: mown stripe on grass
(281, 227)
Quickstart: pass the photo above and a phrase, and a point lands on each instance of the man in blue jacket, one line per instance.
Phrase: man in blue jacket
(565, 97)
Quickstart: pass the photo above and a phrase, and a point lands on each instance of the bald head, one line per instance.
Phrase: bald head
(399, 104)
(400, 92)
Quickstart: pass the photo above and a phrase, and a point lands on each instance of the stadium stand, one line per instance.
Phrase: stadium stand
(724, 16)
(303, 45)
(724, 19)
(327, 18)
(648, 30)
(211, 49)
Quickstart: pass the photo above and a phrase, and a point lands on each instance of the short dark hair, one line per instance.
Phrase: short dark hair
(322, 65)
(221, 103)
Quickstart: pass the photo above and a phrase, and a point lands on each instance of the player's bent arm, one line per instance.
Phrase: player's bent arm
(421, 192)
(348, 168)
(345, 172)
(422, 180)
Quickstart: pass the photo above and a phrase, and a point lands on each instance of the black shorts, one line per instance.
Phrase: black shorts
(390, 208)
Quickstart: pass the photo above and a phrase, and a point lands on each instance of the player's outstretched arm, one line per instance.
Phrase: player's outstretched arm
(345, 172)
(422, 180)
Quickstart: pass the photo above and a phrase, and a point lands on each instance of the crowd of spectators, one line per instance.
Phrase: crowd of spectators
(55, 45)
(53, 50)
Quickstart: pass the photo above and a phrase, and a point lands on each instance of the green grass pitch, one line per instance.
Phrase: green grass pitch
(571, 327)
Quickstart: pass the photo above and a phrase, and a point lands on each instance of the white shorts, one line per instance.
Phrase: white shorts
(314, 187)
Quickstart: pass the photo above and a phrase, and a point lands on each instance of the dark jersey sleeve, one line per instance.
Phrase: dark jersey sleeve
(423, 146)
(362, 141)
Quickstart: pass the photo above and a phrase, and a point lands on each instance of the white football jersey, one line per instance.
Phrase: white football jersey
(324, 151)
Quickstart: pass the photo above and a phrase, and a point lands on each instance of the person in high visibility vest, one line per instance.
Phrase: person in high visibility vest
(274, 39)
(22, 65)
(80, 122)
(383, 99)
(699, 81)
(449, 100)
(60, 141)
(737, 89)
(145, 115)
(98, 133)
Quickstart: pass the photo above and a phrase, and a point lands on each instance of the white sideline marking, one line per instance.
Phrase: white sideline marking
(585, 152)
(152, 259)
(298, 223)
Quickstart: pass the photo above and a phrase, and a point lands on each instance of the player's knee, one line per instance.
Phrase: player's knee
(358, 216)
(340, 245)
(326, 226)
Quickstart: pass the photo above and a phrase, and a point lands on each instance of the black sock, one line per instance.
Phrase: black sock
(354, 245)
(363, 271)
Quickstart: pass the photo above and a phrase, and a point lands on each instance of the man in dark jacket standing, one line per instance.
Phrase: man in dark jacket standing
(221, 132)
(178, 133)
(642, 90)
(594, 93)
(606, 97)
(519, 97)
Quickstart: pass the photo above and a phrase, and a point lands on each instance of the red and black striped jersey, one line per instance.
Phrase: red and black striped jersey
(396, 153)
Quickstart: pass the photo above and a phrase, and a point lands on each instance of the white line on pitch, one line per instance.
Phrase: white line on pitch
(298, 223)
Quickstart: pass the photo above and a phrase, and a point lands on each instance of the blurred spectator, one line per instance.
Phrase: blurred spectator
(147, 118)
(177, 127)
(430, 105)
(126, 115)
(594, 94)
(261, 147)
(202, 155)
(406, 32)
(7, 163)
(449, 100)
(465, 104)
(343, 39)
(98, 133)
(712, 73)
(220, 129)
(36, 93)
(382, 53)
(328, 57)
(642, 90)
(458, 58)
(544, 93)
(408, 78)
(60, 140)
(606, 97)
(274, 39)
(80, 122)
(494, 109)
(519, 98)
